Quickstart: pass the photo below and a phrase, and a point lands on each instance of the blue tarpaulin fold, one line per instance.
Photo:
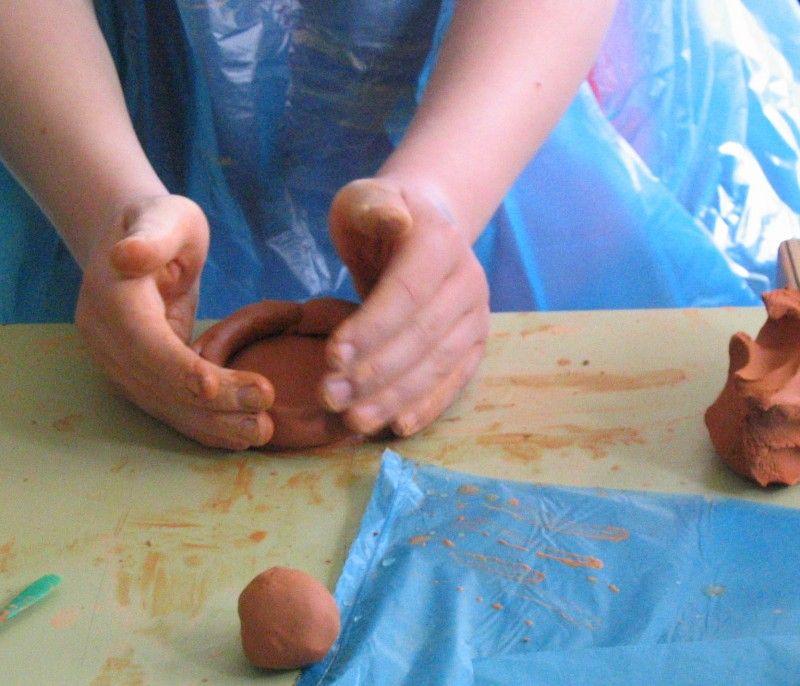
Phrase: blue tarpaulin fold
(458, 579)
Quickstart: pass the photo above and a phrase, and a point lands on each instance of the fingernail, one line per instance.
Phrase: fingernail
(249, 425)
(251, 399)
(338, 393)
(343, 354)
(202, 386)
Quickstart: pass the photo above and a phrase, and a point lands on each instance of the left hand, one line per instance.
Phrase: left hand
(402, 358)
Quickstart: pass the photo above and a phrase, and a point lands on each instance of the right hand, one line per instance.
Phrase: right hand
(136, 311)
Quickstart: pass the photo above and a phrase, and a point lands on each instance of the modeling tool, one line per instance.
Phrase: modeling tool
(789, 264)
(31, 595)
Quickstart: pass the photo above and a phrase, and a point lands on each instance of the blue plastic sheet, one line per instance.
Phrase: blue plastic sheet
(669, 182)
(458, 579)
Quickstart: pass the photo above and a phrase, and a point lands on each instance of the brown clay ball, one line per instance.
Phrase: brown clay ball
(289, 619)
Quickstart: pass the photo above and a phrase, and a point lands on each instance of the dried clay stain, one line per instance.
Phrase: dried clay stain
(166, 524)
(488, 407)
(422, 539)
(163, 588)
(68, 422)
(571, 559)
(310, 481)
(65, 618)
(522, 548)
(591, 382)
(531, 445)
(120, 670)
(233, 480)
(55, 342)
(551, 329)
(7, 554)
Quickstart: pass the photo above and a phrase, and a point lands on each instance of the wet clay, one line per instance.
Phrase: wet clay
(755, 422)
(289, 619)
(284, 342)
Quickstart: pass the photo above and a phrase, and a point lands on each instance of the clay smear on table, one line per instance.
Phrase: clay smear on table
(289, 619)
(754, 424)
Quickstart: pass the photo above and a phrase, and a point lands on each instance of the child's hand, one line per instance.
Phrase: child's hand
(403, 357)
(136, 312)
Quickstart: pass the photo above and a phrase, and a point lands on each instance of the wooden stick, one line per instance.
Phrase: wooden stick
(789, 264)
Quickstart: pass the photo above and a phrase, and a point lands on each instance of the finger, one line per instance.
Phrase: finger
(370, 414)
(425, 410)
(460, 297)
(160, 232)
(376, 214)
(245, 392)
(412, 278)
(231, 430)
(152, 350)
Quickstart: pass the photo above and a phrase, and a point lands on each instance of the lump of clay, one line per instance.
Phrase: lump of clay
(755, 422)
(289, 619)
(284, 342)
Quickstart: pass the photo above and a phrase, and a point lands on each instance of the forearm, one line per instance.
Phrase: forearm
(65, 132)
(506, 73)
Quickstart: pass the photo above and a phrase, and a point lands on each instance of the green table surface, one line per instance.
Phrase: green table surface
(155, 536)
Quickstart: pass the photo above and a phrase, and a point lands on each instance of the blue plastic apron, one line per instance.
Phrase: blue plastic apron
(669, 182)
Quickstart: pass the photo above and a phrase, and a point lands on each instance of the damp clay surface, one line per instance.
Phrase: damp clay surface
(289, 619)
(755, 422)
(284, 342)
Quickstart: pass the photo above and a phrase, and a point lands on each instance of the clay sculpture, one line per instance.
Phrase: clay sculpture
(755, 422)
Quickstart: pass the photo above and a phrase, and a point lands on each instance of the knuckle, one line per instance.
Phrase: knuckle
(425, 331)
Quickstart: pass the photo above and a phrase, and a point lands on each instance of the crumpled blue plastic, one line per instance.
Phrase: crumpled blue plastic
(669, 182)
(457, 579)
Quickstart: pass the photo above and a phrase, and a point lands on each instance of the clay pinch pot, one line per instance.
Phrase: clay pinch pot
(284, 342)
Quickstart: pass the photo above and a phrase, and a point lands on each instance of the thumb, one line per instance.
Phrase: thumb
(367, 219)
(159, 232)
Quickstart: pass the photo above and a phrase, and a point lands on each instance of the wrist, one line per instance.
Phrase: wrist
(414, 181)
(101, 223)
